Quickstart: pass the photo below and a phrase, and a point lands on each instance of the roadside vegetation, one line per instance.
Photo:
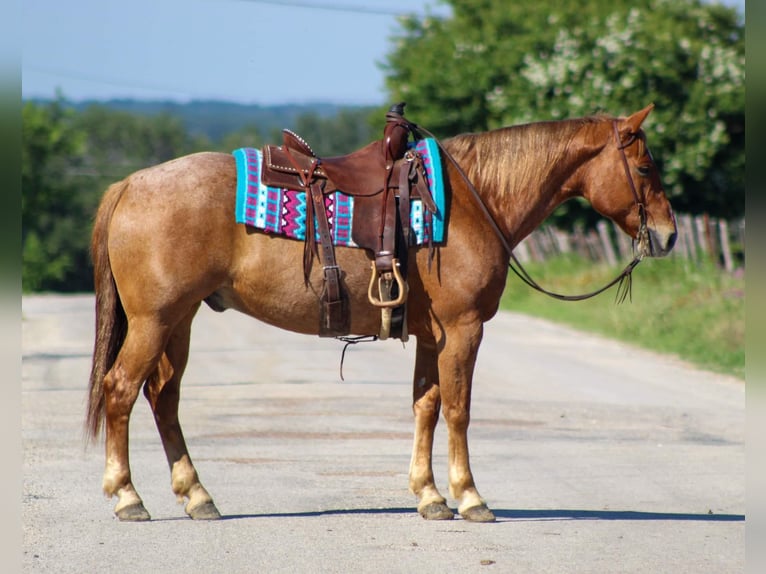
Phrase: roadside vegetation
(696, 312)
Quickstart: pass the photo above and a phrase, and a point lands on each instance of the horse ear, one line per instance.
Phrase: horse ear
(631, 124)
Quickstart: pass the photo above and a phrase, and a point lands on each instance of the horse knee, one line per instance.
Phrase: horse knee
(426, 409)
(457, 417)
(427, 399)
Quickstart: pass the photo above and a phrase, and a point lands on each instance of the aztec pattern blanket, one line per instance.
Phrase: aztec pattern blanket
(283, 211)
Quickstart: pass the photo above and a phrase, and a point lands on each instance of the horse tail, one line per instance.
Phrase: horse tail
(111, 323)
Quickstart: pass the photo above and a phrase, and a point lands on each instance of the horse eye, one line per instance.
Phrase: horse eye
(643, 170)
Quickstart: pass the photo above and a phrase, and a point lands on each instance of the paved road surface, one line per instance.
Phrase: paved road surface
(596, 457)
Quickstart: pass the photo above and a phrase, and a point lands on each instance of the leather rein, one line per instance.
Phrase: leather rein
(624, 279)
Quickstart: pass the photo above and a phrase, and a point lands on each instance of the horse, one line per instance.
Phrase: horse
(164, 241)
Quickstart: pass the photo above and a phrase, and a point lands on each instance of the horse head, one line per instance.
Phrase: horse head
(622, 182)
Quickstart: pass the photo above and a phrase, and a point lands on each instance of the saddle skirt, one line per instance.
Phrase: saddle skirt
(283, 211)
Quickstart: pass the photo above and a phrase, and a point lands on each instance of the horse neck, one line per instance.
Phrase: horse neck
(522, 173)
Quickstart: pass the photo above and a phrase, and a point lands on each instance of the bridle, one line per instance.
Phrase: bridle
(641, 243)
(642, 237)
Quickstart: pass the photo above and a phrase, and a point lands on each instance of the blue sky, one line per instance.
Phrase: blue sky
(248, 51)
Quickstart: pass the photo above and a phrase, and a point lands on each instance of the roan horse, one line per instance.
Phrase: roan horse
(164, 240)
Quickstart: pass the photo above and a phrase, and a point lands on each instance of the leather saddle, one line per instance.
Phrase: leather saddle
(382, 177)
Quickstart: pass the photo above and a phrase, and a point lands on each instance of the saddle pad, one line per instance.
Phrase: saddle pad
(283, 211)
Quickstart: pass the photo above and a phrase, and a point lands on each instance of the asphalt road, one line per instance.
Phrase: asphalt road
(595, 457)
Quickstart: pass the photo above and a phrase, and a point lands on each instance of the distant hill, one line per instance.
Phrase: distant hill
(215, 118)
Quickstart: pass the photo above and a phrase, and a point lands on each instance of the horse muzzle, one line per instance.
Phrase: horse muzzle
(660, 243)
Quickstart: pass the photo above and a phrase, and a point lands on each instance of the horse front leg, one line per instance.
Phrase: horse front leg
(425, 406)
(457, 359)
(162, 390)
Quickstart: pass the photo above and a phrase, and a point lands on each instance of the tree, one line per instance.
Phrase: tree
(119, 143)
(495, 63)
(350, 129)
(247, 136)
(50, 211)
(68, 160)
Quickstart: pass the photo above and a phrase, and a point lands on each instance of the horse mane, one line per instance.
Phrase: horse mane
(518, 163)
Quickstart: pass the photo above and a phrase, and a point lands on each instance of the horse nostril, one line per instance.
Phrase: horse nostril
(672, 240)
(661, 244)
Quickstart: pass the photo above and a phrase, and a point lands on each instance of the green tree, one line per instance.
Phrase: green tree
(68, 160)
(246, 136)
(496, 63)
(51, 213)
(345, 132)
(118, 142)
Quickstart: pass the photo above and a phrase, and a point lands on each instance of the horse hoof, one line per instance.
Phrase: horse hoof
(204, 511)
(133, 513)
(478, 514)
(436, 511)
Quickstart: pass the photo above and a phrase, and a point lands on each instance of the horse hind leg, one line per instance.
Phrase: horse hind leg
(162, 390)
(425, 406)
(137, 359)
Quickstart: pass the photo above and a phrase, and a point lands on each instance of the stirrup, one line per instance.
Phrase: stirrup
(386, 314)
(385, 323)
(385, 284)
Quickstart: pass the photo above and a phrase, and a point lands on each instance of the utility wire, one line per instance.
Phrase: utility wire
(332, 7)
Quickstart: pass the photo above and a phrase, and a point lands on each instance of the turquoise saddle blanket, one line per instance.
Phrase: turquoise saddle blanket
(283, 211)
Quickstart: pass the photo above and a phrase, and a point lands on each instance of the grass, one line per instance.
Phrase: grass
(693, 311)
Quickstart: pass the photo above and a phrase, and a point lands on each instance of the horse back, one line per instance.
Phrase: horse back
(173, 242)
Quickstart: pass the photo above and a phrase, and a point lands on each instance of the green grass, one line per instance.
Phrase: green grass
(693, 311)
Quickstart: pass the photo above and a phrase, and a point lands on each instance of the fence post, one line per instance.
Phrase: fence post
(710, 226)
(688, 231)
(562, 241)
(723, 233)
(701, 238)
(680, 250)
(624, 242)
(606, 241)
(580, 243)
(522, 251)
(534, 249)
(594, 246)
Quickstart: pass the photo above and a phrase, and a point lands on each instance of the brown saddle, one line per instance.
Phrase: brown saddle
(382, 177)
(358, 174)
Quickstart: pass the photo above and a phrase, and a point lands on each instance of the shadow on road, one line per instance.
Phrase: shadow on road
(569, 514)
(517, 515)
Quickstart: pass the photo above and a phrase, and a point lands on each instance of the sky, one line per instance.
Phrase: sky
(247, 51)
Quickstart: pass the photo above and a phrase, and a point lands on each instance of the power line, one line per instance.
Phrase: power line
(332, 7)
(103, 79)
